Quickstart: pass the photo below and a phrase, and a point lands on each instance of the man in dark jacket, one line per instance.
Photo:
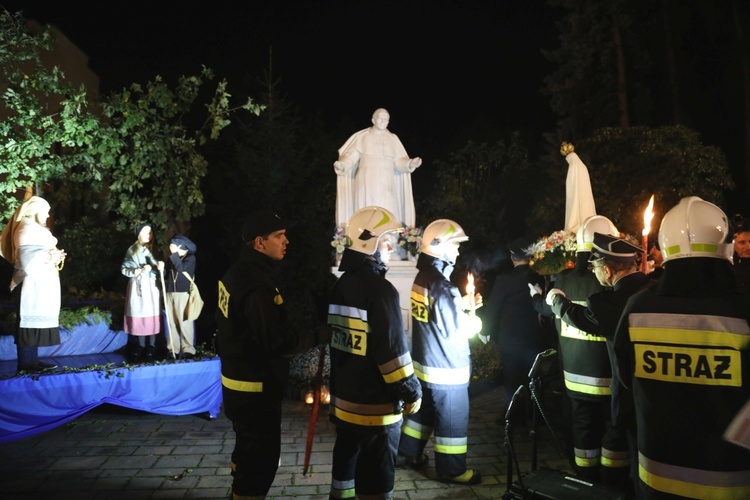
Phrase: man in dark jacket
(442, 360)
(255, 345)
(511, 321)
(601, 446)
(372, 376)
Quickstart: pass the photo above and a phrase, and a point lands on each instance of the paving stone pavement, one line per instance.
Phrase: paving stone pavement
(116, 453)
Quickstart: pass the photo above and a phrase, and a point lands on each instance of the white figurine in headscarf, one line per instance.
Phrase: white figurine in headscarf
(579, 199)
(28, 244)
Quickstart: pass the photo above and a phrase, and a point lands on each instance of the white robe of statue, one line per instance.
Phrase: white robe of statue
(373, 169)
(579, 199)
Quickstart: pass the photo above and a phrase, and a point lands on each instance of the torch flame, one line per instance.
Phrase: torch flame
(648, 215)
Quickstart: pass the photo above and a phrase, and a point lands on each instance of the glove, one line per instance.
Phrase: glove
(484, 338)
(412, 408)
(551, 295)
(534, 289)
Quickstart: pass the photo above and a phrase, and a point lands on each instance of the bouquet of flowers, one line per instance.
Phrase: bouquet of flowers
(410, 239)
(340, 240)
(554, 253)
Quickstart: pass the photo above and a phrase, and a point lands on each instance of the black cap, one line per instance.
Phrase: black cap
(139, 227)
(262, 222)
(613, 249)
(183, 242)
(518, 248)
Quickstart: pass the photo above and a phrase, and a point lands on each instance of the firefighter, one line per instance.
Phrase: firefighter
(584, 358)
(683, 347)
(613, 262)
(372, 376)
(442, 361)
(255, 344)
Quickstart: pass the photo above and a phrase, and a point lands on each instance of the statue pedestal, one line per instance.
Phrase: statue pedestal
(401, 274)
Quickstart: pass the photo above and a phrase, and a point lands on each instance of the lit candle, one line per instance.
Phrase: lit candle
(470, 292)
(648, 215)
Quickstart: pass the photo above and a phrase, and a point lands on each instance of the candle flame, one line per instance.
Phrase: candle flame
(469, 283)
(648, 215)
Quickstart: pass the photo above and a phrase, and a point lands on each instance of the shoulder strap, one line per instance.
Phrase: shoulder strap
(187, 275)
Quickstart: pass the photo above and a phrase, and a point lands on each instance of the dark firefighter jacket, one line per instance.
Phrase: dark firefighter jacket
(440, 344)
(371, 368)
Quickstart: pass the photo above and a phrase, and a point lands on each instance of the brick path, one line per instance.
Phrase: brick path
(116, 453)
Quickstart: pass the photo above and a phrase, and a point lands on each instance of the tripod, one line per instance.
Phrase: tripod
(544, 365)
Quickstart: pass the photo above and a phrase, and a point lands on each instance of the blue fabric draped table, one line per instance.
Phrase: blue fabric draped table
(33, 404)
(83, 339)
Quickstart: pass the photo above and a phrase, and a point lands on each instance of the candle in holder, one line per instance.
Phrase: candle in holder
(648, 215)
(470, 292)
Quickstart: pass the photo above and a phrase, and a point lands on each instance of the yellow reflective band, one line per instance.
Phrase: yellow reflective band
(694, 490)
(349, 341)
(690, 322)
(223, 300)
(416, 434)
(366, 420)
(572, 332)
(613, 463)
(398, 375)
(704, 247)
(241, 385)
(342, 493)
(671, 250)
(450, 449)
(443, 376)
(588, 389)
(716, 367)
(587, 462)
(684, 336)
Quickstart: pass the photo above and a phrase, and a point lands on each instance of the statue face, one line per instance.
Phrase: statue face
(380, 119)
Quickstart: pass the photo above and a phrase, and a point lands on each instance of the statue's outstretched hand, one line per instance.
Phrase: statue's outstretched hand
(339, 167)
(415, 162)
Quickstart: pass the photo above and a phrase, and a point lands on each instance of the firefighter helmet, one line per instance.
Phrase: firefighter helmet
(438, 234)
(591, 225)
(367, 225)
(695, 228)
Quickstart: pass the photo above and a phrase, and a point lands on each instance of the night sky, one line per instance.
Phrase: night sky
(438, 67)
(447, 71)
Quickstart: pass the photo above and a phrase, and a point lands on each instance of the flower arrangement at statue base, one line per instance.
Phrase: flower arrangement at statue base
(410, 241)
(554, 253)
(339, 242)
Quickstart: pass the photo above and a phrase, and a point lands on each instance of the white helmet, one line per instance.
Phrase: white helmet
(366, 227)
(440, 232)
(591, 225)
(695, 228)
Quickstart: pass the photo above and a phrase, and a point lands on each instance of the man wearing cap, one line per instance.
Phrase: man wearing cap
(255, 344)
(601, 446)
(683, 348)
(181, 260)
(511, 320)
